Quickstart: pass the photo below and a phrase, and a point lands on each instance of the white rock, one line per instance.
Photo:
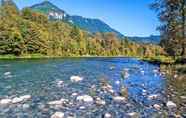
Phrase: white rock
(60, 83)
(157, 107)
(119, 99)
(7, 73)
(74, 94)
(5, 101)
(171, 105)
(153, 96)
(58, 115)
(117, 82)
(25, 97)
(56, 102)
(82, 107)
(76, 78)
(133, 115)
(26, 106)
(17, 100)
(85, 98)
(107, 115)
(99, 101)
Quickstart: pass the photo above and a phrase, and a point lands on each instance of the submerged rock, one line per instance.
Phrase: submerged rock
(157, 107)
(107, 115)
(171, 105)
(85, 98)
(119, 99)
(133, 115)
(125, 74)
(58, 115)
(99, 101)
(17, 100)
(58, 102)
(5, 101)
(76, 78)
(153, 96)
(7, 73)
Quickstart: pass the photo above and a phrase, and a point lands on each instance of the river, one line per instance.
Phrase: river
(47, 80)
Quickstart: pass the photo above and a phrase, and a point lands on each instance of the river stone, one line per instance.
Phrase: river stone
(119, 99)
(5, 101)
(76, 78)
(171, 105)
(58, 115)
(26, 106)
(153, 96)
(56, 102)
(17, 100)
(107, 115)
(85, 98)
(157, 107)
(26, 97)
(133, 115)
(7, 73)
(99, 101)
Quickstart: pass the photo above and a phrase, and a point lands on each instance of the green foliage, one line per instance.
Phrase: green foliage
(172, 14)
(27, 33)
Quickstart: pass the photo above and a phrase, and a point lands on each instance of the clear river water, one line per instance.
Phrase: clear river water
(48, 80)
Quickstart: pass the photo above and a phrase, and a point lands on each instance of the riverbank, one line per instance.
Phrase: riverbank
(157, 59)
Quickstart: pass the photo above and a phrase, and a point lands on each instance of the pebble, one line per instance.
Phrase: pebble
(99, 101)
(119, 99)
(157, 107)
(7, 73)
(26, 106)
(107, 115)
(171, 105)
(58, 115)
(153, 96)
(85, 98)
(76, 78)
(5, 101)
(17, 100)
(117, 82)
(133, 115)
(25, 97)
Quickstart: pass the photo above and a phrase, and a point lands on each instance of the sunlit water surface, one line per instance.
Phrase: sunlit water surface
(39, 78)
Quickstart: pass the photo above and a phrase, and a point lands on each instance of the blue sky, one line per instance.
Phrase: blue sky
(130, 17)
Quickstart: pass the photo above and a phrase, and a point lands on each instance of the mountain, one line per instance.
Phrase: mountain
(55, 13)
(153, 39)
(8, 2)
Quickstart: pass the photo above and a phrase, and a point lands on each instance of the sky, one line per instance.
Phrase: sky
(130, 17)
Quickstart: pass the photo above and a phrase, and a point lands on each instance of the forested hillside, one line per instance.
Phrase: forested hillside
(27, 32)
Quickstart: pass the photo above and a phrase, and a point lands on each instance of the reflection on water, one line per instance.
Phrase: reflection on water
(49, 80)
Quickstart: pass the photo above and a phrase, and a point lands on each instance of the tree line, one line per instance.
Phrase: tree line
(172, 14)
(27, 32)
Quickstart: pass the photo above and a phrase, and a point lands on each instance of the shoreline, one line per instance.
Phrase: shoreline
(155, 60)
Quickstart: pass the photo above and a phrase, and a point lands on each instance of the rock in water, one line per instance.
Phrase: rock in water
(107, 115)
(171, 105)
(16, 100)
(85, 98)
(25, 97)
(5, 101)
(76, 78)
(58, 115)
(133, 115)
(7, 73)
(157, 107)
(119, 99)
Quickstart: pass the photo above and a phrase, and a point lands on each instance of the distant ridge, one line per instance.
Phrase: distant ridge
(91, 25)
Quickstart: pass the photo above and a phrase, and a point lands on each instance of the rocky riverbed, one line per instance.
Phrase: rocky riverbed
(83, 87)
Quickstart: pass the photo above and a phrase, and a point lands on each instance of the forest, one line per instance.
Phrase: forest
(26, 32)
